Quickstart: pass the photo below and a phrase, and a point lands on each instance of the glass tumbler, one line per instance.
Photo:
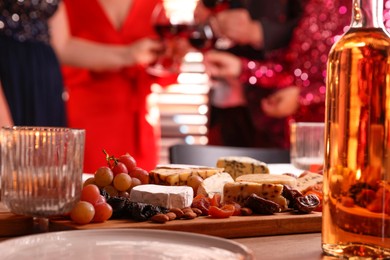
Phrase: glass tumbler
(307, 145)
(41, 170)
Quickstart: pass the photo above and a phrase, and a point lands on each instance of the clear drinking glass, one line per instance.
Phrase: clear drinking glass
(307, 145)
(41, 170)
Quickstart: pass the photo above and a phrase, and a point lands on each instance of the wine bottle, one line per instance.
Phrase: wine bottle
(356, 206)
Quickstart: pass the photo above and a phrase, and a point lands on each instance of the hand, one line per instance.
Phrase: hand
(201, 13)
(144, 51)
(219, 64)
(177, 48)
(282, 103)
(238, 26)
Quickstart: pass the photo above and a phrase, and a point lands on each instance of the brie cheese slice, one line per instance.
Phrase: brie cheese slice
(164, 196)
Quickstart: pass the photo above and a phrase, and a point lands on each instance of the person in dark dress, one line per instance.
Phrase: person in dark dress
(30, 74)
(234, 116)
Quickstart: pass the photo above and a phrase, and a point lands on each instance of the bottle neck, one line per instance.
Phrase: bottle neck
(367, 14)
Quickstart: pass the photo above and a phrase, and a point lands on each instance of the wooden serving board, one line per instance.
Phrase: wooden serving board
(232, 227)
(14, 225)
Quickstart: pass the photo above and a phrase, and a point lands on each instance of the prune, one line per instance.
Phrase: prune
(306, 204)
(118, 205)
(143, 212)
(290, 194)
(124, 208)
(262, 206)
(104, 193)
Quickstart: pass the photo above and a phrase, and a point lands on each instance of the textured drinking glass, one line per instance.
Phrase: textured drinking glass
(41, 170)
(307, 145)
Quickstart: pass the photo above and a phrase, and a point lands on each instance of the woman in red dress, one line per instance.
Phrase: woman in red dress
(107, 44)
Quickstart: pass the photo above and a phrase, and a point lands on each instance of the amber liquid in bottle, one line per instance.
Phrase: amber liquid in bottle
(356, 210)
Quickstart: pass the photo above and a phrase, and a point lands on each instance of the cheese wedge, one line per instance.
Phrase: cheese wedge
(237, 166)
(240, 191)
(164, 196)
(177, 176)
(214, 184)
(269, 179)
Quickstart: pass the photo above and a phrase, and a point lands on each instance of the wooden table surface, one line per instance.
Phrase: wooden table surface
(286, 247)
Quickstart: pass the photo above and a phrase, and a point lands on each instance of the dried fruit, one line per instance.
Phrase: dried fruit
(290, 194)
(306, 204)
(262, 206)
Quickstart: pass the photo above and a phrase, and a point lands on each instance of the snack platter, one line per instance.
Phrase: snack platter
(232, 227)
(237, 198)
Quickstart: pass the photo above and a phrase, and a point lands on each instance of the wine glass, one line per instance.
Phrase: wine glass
(173, 29)
(41, 171)
(202, 37)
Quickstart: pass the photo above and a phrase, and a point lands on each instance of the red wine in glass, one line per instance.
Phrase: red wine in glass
(202, 38)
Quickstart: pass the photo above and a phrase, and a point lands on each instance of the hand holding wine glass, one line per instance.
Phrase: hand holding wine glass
(173, 30)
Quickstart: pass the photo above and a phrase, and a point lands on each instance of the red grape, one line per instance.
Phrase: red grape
(101, 200)
(111, 190)
(103, 212)
(129, 161)
(119, 167)
(134, 182)
(122, 182)
(90, 193)
(140, 174)
(82, 213)
(90, 180)
(103, 176)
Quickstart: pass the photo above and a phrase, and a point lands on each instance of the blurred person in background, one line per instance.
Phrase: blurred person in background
(31, 85)
(255, 30)
(297, 72)
(5, 114)
(106, 46)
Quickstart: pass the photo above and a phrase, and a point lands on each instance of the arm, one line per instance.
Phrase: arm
(238, 26)
(254, 27)
(83, 53)
(5, 114)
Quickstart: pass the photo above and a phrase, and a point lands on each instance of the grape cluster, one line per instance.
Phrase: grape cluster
(114, 180)
(119, 176)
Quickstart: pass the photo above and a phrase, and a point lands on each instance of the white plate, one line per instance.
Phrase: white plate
(121, 244)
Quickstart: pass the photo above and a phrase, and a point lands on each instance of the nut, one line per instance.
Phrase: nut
(160, 218)
(179, 213)
(190, 215)
(187, 209)
(171, 215)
